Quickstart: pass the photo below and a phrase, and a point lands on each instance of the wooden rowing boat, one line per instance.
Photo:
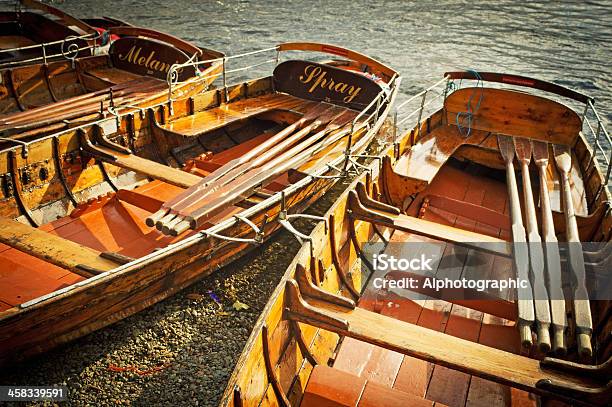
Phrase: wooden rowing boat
(75, 252)
(46, 97)
(34, 32)
(332, 334)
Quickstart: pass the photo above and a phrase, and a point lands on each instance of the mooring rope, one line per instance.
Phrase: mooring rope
(469, 113)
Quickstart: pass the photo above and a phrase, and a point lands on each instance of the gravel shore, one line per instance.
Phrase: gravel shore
(180, 351)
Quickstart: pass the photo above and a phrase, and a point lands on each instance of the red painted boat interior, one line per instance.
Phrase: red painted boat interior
(404, 380)
(112, 224)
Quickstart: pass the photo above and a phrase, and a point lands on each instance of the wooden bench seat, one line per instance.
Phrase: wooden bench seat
(56, 250)
(433, 230)
(443, 349)
(211, 119)
(147, 167)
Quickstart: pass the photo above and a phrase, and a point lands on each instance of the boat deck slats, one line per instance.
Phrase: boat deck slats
(56, 250)
(211, 119)
(333, 387)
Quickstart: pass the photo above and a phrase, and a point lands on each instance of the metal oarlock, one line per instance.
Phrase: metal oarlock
(259, 232)
(284, 217)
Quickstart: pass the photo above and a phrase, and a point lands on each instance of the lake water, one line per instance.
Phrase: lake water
(569, 43)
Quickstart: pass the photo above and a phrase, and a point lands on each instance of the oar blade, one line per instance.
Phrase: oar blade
(506, 147)
(316, 111)
(562, 157)
(522, 146)
(540, 152)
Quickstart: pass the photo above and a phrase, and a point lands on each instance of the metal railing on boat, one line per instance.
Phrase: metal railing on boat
(598, 136)
(70, 49)
(173, 72)
(272, 55)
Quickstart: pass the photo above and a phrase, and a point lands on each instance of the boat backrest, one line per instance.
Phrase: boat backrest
(513, 113)
(148, 57)
(320, 82)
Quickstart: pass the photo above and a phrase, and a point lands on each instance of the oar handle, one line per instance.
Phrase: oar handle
(515, 202)
(557, 302)
(582, 308)
(532, 220)
(526, 315)
(570, 214)
(548, 225)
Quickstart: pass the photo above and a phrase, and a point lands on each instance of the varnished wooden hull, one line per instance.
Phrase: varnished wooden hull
(291, 337)
(39, 99)
(103, 290)
(36, 329)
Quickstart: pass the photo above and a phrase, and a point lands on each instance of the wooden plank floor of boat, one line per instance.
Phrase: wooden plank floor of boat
(211, 119)
(420, 378)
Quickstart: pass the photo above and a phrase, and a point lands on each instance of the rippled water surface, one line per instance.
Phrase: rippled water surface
(567, 43)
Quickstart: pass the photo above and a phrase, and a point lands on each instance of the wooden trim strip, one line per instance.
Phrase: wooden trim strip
(47, 79)
(297, 332)
(18, 188)
(522, 81)
(11, 87)
(336, 260)
(106, 176)
(353, 235)
(339, 51)
(60, 172)
(278, 390)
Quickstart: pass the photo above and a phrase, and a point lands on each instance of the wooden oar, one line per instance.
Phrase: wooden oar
(521, 253)
(198, 194)
(84, 99)
(536, 254)
(67, 113)
(335, 118)
(310, 116)
(243, 186)
(553, 259)
(582, 308)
